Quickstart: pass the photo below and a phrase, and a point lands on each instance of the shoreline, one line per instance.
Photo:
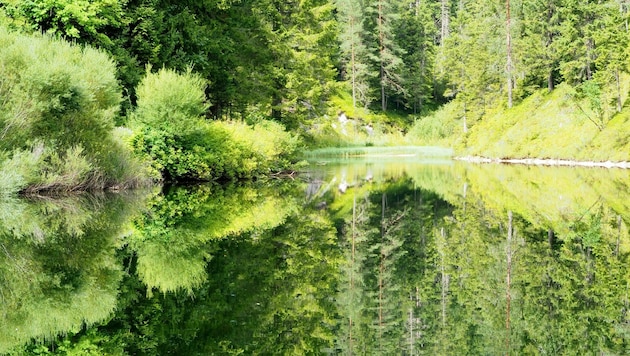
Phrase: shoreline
(544, 162)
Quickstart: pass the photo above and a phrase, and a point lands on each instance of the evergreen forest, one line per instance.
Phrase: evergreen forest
(178, 89)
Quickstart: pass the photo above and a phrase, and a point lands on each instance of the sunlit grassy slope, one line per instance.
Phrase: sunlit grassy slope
(550, 125)
(544, 125)
(386, 129)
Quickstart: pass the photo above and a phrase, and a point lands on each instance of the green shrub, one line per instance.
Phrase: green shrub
(171, 102)
(438, 128)
(267, 141)
(181, 145)
(59, 102)
(18, 170)
(55, 92)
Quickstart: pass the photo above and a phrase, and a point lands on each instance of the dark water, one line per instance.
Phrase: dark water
(378, 256)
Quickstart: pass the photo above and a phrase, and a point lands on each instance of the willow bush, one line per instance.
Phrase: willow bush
(57, 115)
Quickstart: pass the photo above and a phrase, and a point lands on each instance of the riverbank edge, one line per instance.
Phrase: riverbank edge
(544, 162)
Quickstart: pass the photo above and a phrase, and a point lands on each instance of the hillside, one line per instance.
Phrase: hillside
(556, 125)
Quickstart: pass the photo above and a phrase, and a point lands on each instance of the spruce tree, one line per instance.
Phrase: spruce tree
(384, 51)
(350, 18)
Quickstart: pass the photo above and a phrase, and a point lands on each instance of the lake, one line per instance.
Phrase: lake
(399, 253)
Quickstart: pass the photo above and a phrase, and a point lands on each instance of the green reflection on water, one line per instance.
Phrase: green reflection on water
(172, 238)
(58, 269)
(357, 256)
(430, 247)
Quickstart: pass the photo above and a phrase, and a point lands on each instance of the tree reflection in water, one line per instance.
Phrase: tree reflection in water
(418, 259)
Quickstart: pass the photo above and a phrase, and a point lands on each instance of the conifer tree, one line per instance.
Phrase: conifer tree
(416, 35)
(384, 52)
(539, 43)
(613, 40)
(475, 57)
(350, 20)
(301, 35)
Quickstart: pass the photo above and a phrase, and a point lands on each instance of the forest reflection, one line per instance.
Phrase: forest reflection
(460, 259)
(354, 257)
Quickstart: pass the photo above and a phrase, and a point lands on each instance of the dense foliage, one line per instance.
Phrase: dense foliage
(285, 59)
(182, 145)
(59, 106)
(57, 118)
(255, 55)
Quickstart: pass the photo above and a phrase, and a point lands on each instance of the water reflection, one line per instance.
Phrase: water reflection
(172, 240)
(363, 256)
(58, 266)
(484, 260)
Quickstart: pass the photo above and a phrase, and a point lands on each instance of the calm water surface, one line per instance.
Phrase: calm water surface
(373, 255)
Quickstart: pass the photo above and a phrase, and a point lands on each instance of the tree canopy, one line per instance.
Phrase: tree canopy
(284, 58)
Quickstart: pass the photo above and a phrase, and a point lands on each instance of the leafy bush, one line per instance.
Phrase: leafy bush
(171, 102)
(16, 171)
(181, 145)
(439, 127)
(57, 113)
(267, 142)
(55, 92)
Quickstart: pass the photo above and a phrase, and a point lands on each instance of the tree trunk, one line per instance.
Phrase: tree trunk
(618, 235)
(381, 273)
(445, 276)
(510, 83)
(623, 8)
(422, 70)
(508, 282)
(590, 46)
(381, 38)
(353, 65)
(617, 82)
(465, 123)
(445, 18)
(550, 36)
(411, 342)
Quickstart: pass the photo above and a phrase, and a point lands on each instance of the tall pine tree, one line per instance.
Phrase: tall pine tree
(384, 51)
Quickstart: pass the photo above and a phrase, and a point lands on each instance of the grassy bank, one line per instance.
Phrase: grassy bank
(559, 125)
(552, 125)
(347, 126)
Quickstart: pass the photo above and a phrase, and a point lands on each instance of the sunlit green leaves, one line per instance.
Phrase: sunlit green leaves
(57, 117)
(171, 102)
